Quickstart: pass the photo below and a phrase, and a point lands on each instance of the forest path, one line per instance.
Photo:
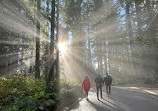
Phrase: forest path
(121, 99)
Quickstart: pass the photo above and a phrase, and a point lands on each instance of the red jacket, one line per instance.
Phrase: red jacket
(86, 84)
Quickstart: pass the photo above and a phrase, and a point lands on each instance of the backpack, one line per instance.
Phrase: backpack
(108, 79)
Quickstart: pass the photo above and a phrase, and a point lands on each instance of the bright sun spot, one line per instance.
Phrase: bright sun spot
(62, 47)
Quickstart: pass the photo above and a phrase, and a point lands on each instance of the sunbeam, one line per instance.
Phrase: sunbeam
(62, 47)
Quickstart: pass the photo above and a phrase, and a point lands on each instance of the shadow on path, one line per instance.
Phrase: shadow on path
(115, 106)
(109, 104)
(75, 105)
(98, 108)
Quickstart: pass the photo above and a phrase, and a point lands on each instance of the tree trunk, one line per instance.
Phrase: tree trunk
(51, 73)
(89, 51)
(150, 26)
(46, 71)
(130, 35)
(89, 40)
(37, 61)
(128, 21)
(57, 63)
(138, 17)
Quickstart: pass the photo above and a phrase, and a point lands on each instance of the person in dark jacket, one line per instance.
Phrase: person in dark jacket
(99, 82)
(108, 82)
(86, 85)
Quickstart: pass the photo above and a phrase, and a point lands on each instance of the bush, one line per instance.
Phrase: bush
(19, 94)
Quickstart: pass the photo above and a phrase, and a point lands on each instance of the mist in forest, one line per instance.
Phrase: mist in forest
(93, 37)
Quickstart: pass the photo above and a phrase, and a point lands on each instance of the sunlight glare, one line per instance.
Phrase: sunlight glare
(62, 47)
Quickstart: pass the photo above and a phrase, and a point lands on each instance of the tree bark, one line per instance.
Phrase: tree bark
(138, 17)
(128, 21)
(57, 63)
(51, 73)
(37, 61)
(150, 26)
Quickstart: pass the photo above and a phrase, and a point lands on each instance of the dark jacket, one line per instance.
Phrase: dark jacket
(108, 80)
(98, 82)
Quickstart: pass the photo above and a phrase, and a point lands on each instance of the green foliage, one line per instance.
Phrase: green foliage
(21, 103)
(18, 94)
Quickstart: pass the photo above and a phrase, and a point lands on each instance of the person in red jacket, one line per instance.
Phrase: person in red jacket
(86, 85)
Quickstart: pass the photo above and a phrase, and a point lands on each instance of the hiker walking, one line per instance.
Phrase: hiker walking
(99, 81)
(86, 85)
(108, 82)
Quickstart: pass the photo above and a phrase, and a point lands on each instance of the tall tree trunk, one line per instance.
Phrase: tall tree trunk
(128, 21)
(37, 61)
(138, 17)
(105, 57)
(46, 71)
(98, 65)
(150, 25)
(57, 63)
(51, 73)
(89, 51)
(101, 66)
(130, 35)
(89, 40)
